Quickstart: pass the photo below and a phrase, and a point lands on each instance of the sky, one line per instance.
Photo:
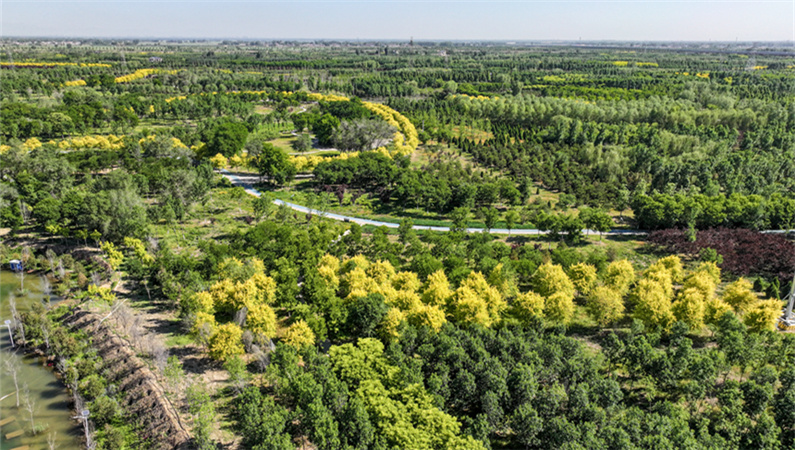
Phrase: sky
(627, 20)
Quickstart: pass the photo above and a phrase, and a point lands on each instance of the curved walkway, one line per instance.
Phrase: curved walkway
(247, 181)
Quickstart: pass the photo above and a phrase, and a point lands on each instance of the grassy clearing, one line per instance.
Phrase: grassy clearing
(285, 142)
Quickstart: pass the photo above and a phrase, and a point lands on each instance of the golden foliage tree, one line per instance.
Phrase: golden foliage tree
(550, 279)
(583, 276)
(605, 305)
(328, 268)
(226, 342)
(503, 280)
(739, 296)
(198, 302)
(652, 304)
(437, 289)
(619, 275)
(390, 326)
(406, 281)
(381, 272)
(763, 315)
(689, 307)
(430, 316)
(714, 309)
(527, 306)
(299, 335)
(559, 308)
(261, 319)
(468, 307)
(495, 304)
(673, 264)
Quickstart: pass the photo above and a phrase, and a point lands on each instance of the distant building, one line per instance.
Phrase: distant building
(155, 59)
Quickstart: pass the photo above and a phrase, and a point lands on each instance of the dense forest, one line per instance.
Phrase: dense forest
(277, 328)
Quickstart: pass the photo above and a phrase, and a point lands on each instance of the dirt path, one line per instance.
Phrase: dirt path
(159, 325)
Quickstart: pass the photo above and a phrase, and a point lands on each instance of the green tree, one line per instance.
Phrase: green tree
(324, 129)
(227, 138)
(261, 421)
(511, 219)
(263, 205)
(302, 143)
(274, 164)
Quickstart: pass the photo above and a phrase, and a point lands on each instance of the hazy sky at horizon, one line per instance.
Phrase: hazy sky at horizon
(750, 20)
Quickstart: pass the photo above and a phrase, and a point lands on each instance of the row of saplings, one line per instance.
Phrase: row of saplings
(241, 303)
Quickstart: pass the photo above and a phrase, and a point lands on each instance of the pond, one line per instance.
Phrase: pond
(48, 397)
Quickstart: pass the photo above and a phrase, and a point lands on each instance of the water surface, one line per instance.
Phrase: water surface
(49, 396)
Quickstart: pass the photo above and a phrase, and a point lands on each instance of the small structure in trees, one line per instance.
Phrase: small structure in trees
(16, 265)
(788, 319)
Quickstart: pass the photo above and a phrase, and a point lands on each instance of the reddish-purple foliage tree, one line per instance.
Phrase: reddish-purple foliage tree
(745, 252)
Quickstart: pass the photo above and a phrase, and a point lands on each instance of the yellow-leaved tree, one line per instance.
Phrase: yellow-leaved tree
(739, 296)
(437, 289)
(763, 315)
(226, 342)
(299, 335)
(551, 282)
(406, 281)
(198, 302)
(404, 300)
(559, 308)
(390, 325)
(527, 307)
(674, 266)
(468, 307)
(703, 282)
(381, 272)
(605, 305)
(355, 284)
(714, 309)
(495, 304)
(690, 307)
(550, 279)
(428, 315)
(358, 261)
(203, 327)
(711, 269)
(652, 304)
(328, 268)
(503, 280)
(583, 276)
(266, 287)
(662, 276)
(619, 275)
(261, 319)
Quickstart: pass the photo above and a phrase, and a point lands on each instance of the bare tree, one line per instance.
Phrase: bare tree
(17, 319)
(61, 270)
(30, 407)
(51, 437)
(11, 366)
(21, 276)
(124, 317)
(205, 331)
(50, 259)
(45, 334)
(159, 353)
(46, 288)
(261, 358)
(96, 278)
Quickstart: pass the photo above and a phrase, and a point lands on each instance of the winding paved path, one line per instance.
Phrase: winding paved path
(247, 181)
